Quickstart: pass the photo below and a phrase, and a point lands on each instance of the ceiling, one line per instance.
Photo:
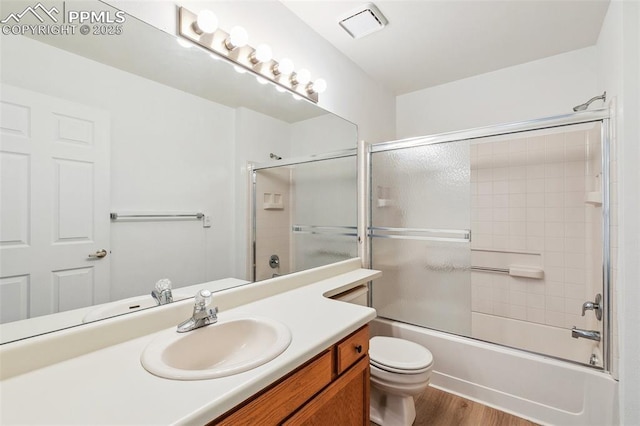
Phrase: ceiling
(429, 42)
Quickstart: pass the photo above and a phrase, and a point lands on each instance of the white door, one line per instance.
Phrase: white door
(54, 204)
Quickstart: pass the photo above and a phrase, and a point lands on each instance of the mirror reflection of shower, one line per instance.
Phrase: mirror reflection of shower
(304, 210)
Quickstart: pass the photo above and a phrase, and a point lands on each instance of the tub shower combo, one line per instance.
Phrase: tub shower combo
(495, 249)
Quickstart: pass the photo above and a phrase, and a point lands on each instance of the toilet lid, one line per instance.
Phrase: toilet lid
(398, 355)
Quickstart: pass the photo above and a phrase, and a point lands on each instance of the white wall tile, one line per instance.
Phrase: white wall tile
(536, 205)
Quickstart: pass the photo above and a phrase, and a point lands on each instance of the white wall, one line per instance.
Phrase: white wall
(535, 89)
(326, 133)
(618, 50)
(351, 93)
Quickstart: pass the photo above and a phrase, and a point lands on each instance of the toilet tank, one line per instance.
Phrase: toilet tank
(356, 295)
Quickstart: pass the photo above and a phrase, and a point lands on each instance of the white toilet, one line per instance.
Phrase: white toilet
(400, 370)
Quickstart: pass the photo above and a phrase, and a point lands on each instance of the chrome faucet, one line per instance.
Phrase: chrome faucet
(585, 334)
(162, 292)
(203, 315)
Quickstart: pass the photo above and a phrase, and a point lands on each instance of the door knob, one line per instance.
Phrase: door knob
(98, 255)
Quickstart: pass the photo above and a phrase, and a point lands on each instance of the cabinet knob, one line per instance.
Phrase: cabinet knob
(358, 348)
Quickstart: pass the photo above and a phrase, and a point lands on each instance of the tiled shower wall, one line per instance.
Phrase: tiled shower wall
(529, 198)
(273, 222)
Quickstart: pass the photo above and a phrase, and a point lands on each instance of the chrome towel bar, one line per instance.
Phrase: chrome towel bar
(116, 216)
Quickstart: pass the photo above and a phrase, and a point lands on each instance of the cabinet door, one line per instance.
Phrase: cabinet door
(344, 402)
(283, 398)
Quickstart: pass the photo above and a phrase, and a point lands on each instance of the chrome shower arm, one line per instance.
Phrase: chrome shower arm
(585, 105)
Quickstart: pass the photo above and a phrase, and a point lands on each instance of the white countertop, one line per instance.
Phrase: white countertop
(35, 326)
(110, 386)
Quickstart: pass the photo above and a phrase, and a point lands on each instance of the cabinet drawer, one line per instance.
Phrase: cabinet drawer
(277, 402)
(352, 349)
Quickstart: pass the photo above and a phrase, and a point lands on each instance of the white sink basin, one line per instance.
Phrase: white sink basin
(231, 346)
(124, 306)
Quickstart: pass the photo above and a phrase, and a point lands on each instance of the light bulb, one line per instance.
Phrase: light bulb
(297, 97)
(262, 80)
(261, 54)
(238, 37)
(214, 56)
(280, 89)
(285, 66)
(239, 69)
(207, 22)
(184, 43)
(319, 86)
(303, 76)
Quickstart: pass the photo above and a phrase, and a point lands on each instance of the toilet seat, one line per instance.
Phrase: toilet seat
(398, 370)
(379, 376)
(399, 356)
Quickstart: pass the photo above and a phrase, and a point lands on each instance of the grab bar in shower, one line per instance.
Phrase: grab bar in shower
(513, 271)
(495, 270)
(425, 234)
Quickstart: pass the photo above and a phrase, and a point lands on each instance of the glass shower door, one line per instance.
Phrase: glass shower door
(324, 212)
(304, 215)
(532, 271)
(420, 235)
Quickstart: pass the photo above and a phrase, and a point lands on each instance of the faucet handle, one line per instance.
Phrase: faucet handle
(163, 284)
(595, 306)
(587, 306)
(162, 291)
(202, 299)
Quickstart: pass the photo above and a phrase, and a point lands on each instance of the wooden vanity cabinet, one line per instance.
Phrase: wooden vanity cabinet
(330, 389)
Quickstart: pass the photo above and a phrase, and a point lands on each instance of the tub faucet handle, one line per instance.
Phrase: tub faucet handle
(595, 306)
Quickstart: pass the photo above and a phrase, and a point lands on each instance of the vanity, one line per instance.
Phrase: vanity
(93, 374)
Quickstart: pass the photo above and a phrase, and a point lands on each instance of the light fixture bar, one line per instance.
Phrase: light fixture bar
(245, 56)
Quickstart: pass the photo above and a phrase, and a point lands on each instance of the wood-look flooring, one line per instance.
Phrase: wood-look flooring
(438, 408)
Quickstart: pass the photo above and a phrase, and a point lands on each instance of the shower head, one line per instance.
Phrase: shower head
(585, 105)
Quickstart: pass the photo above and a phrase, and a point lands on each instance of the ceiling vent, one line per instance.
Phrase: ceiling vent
(364, 21)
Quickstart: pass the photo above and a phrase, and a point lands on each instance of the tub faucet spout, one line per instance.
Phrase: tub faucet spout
(585, 334)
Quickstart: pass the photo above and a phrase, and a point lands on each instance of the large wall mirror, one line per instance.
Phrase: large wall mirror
(134, 125)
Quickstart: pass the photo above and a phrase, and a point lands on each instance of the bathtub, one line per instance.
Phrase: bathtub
(543, 390)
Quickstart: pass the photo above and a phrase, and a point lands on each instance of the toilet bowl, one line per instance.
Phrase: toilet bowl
(400, 370)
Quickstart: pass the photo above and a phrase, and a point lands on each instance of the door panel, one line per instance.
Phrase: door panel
(55, 204)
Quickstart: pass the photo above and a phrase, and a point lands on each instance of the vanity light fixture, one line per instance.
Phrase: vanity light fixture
(203, 29)
(302, 77)
(318, 86)
(285, 66)
(238, 37)
(206, 22)
(262, 54)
